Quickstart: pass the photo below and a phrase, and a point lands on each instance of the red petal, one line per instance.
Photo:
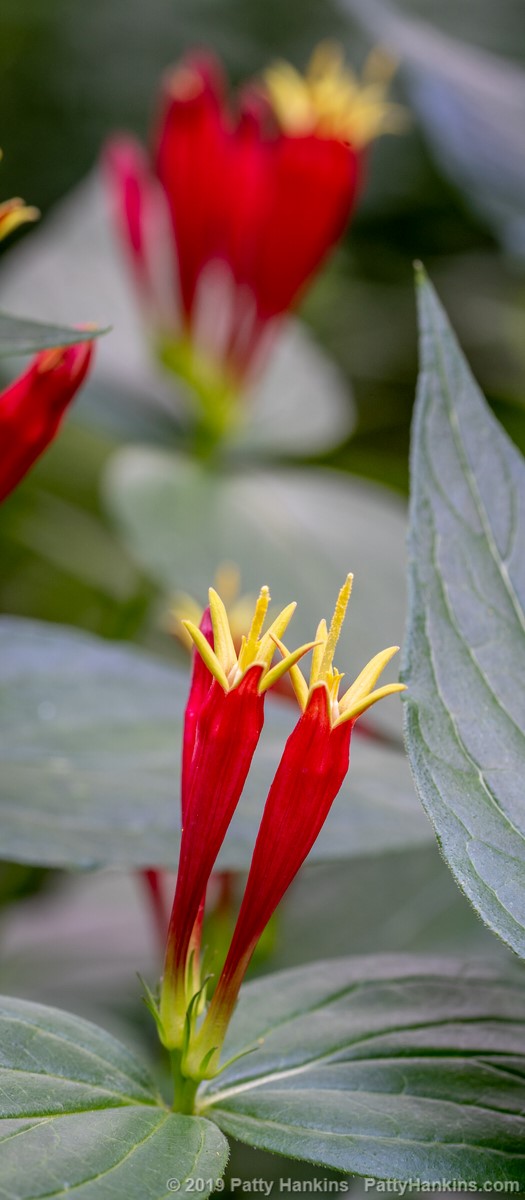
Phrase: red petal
(228, 729)
(32, 408)
(313, 766)
(314, 184)
(192, 161)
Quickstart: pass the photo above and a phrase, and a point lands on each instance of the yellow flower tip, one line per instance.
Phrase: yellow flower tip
(207, 654)
(329, 99)
(357, 709)
(288, 663)
(14, 213)
(361, 696)
(222, 637)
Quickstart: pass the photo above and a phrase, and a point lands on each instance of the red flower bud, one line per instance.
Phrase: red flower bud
(32, 408)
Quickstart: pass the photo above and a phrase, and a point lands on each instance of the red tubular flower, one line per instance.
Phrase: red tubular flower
(32, 408)
(224, 724)
(313, 766)
(254, 200)
(154, 878)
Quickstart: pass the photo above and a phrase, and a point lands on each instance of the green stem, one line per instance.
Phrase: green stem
(184, 1089)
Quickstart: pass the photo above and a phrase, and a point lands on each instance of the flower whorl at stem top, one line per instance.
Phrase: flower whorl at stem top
(223, 723)
(312, 768)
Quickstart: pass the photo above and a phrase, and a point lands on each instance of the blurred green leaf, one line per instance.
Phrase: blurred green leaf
(394, 1067)
(465, 655)
(90, 752)
(21, 336)
(79, 1113)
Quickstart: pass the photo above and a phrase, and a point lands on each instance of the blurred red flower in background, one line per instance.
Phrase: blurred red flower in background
(239, 208)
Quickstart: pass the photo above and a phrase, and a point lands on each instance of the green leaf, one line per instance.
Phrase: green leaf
(90, 752)
(79, 1114)
(465, 655)
(392, 1067)
(21, 336)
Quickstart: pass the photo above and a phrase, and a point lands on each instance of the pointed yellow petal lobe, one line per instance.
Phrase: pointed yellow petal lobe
(366, 702)
(207, 654)
(317, 656)
(286, 664)
(368, 678)
(14, 213)
(297, 678)
(277, 628)
(222, 638)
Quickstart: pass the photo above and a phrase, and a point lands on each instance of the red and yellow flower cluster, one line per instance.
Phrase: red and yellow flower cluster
(223, 722)
(240, 205)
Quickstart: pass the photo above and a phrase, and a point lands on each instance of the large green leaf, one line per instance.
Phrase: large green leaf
(465, 657)
(90, 745)
(391, 1067)
(21, 336)
(79, 1114)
